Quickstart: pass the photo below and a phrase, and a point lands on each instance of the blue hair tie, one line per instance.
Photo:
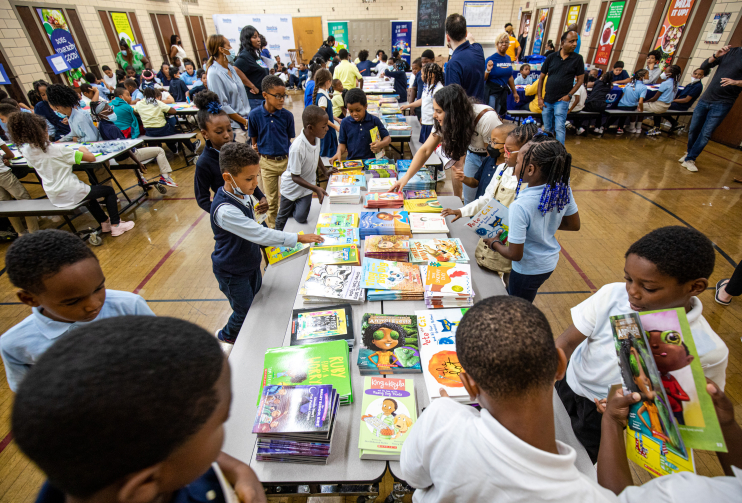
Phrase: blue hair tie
(213, 107)
(529, 120)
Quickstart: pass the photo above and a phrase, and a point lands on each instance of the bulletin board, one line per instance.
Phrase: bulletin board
(478, 14)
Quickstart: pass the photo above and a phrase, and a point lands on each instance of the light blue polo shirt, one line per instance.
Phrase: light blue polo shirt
(536, 232)
(22, 345)
(667, 91)
(632, 93)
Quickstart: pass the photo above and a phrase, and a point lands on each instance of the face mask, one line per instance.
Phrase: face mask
(663, 76)
(236, 188)
(230, 58)
(694, 80)
(60, 115)
(112, 117)
(493, 152)
(124, 53)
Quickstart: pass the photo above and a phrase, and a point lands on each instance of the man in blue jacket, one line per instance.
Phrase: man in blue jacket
(466, 66)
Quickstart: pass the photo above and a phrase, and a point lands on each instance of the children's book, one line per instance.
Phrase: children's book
(337, 255)
(423, 205)
(439, 327)
(387, 247)
(447, 284)
(423, 251)
(403, 165)
(389, 413)
(344, 195)
(377, 162)
(324, 324)
(346, 180)
(382, 171)
(384, 223)
(304, 411)
(424, 223)
(331, 283)
(389, 345)
(339, 236)
(420, 194)
(381, 184)
(357, 164)
(492, 218)
(337, 220)
(278, 254)
(376, 136)
(388, 275)
(384, 200)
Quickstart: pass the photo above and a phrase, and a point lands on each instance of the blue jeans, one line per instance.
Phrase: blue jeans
(298, 209)
(706, 118)
(472, 163)
(555, 116)
(526, 286)
(256, 102)
(240, 291)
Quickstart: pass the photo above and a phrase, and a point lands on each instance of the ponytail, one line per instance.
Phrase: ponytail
(209, 105)
(213, 45)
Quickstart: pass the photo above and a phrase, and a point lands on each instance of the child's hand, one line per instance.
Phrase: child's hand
(334, 158)
(376, 147)
(600, 405)
(65, 121)
(310, 238)
(247, 486)
(320, 194)
(333, 170)
(84, 150)
(262, 206)
(443, 393)
(488, 242)
(617, 407)
(722, 404)
(447, 212)
(458, 173)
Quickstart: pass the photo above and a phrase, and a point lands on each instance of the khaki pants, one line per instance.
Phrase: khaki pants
(240, 136)
(656, 107)
(143, 154)
(11, 188)
(270, 172)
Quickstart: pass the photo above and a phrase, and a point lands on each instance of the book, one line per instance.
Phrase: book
(389, 413)
(420, 194)
(377, 162)
(403, 165)
(492, 218)
(422, 180)
(339, 236)
(311, 365)
(385, 223)
(331, 283)
(337, 255)
(396, 248)
(447, 284)
(423, 251)
(388, 345)
(375, 136)
(344, 195)
(382, 171)
(346, 180)
(323, 324)
(384, 200)
(402, 278)
(278, 254)
(337, 220)
(345, 165)
(381, 184)
(423, 223)
(430, 205)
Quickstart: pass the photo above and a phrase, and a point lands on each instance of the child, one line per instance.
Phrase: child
(164, 74)
(338, 104)
(134, 92)
(322, 83)
(619, 75)
(667, 268)
(190, 76)
(237, 257)
(98, 83)
(355, 135)
(483, 176)
(507, 451)
(381, 66)
(178, 89)
(217, 131)
(109, 78)
(538, 211)
(524, 77)
(10, 186)
(125, 120)
(92, 93)
(433, 79)
(121, 449)
(662, 99)
(166, 98)
(303, 73)
(59, 123)
(131, 73)
(299, 181)
(120, 78)
(309, 88)
(595, 102)
(64, 100)
(59, 277)
(363, 64)
(152, 111)
(271, 129)
(400, 80)
(199, 86)
(687, 96)
(632, 99)
(284, 76)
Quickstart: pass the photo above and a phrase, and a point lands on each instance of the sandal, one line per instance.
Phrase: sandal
(719, 286)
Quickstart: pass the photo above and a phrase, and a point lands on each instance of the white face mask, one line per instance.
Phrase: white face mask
(694, 80)
(663, 75)
(236, 189)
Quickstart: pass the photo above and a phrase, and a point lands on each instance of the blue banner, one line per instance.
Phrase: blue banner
(402, 38)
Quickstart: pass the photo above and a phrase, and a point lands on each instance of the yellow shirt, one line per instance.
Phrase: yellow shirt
(513, 46)
(347, 73)
(337, 104)
(153, 116)
(531, 91)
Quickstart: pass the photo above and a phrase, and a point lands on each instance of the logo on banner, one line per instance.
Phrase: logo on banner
(63, 44)
(284, 19)
(286, 37)
(274, 47)
(232, 40)
(256, 20)
(271, 28)
(226, 20)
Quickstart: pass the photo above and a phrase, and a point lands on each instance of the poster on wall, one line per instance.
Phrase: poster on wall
(573, 14)
(56, 27)
(588, 26)
(538, 36)
(278, 31)
(478, 14)
(339, 30)
(610, 32)
(672, 29)
(718, 25)
(402, 38)
(123, 28)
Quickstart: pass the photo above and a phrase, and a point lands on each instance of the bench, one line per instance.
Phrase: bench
(179, 138)
(44, 208)
(523, 114)
(645, 115)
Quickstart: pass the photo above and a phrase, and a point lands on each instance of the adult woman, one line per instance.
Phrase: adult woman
(549, 48)
(129, 57)
(326, 51)
(222, 79)
(463, 130)
(250, 63)
(177, 51)
(498, 76)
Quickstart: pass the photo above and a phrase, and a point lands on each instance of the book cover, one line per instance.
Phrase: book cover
(344, 192)
(423, 223)
(403, 165)
(420, 194)
(440, 250)
(382, 171)
(449, 279)
(439, 327)
(384, 200)
(346, 180)
(337, 255)
(388, 275)
(278, 253)
(295, 410)
(389, 413)
(389, 345)
(322, 325)
(355, 164)
(381, 184)
(386, 244)
(375, 136)
(377, 162)
(339, 236)
(493, 217)
(423, 205)
(333, 282)
(337, 220)
(385, 222)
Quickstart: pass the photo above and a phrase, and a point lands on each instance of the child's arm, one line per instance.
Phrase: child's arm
(574, 103)
(25, 107)
(385, 141)
(298, 180)
(570, 222)
(326, 172)
(569, 340)
(510, 251)
(254, 142)
(342, 148)
(414, 104)
(641, 104)
(233, 220)
(243, 479)
(458, 174)
(7, 153)
(613, 466)
(86, 155)
(475, 206)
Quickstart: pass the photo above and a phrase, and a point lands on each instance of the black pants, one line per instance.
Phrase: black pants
(98, 191)
(734, 287)
(593, 106)
(299, 209)
(584, 417)
(526, 286)
(240, 291)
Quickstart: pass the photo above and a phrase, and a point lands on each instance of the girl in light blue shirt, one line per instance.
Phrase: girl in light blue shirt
(661, 101)
(632, 99)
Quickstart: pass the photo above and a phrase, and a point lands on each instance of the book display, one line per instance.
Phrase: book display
(430, 205)
(388, 345)
(447, 284)
(423, 251)
(420, 194)
(395, 248)
(425, 223)
(337, 220)
(330, 283)
(389, 413)
(388, 280)
(381, 184)
(384, 200)
(344, 195)
(334, 255)
(277, 254)
(339, 236)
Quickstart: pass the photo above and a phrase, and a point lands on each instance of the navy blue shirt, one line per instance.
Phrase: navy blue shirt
(43, 109)
(178, 90)
(208, 177)
(621, 76)
(272, 130)
(161, 75)
(484, 174)
(419, 85)
(693, 90)
(357, 136)
(400, 84)
(466, 68)
(502, 69)
(364, 67)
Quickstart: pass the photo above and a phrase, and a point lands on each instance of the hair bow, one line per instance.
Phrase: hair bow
(529, 120)
(213, 107)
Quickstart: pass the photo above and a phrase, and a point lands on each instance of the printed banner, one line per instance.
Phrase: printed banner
(672, 29)
(339, 30)
(718, 24)
(588, 26)
(538, 36)
(278, 31)
(56, 27)
(123, 28)
(402, 38)
(573, 14)
(610, 32)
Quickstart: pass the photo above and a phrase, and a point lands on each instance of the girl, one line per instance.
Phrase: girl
(321, 98)
(164, 74)
(58, 124)
(662, 99)
(400, 79)
(538, 211)
(596, 102)
(64, 100)
(53, 163)
(433, 80)
(632, 99)
(152, 111)
(309, 88)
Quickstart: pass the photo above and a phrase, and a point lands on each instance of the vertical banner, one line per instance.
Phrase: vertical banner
(610, 30)
(56, 27)
(402, 38)
(538, 35)
(339, 30)
(123, 28)
(573, 14)
(672, 29)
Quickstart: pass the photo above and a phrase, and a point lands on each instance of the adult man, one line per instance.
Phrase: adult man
(573, 27)
(566, 71)
(347, 72)
(466, 66)
(428, 56)
(715, 103)
(514, 48)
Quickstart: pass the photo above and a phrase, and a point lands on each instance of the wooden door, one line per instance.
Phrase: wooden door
(729, 132)
(524, 31)
(307, 37)
(164, 26)
(197, 31)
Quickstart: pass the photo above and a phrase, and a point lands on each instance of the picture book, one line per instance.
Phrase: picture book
(324, 324)
(377, 162)
(311, 365)
(331, 283)
(403, 165)
(337, 255)
(439, 327)
(384, 200)
(337, 220)
(492, 218)
(375, 136)
(388, 345)
(344, 195)
(296, 410)
(423, 251)
(381, 184)
(277, 254)
(382, 171)
(346, 180)
(339, 236)
(423, 223)
(388, 275)
(449, 279)
(420, 194)
(423, 205)
(379, 245)
(384, 223)
(389, 413)
(356, 164)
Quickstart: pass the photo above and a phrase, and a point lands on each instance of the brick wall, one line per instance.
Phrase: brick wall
(702, 50)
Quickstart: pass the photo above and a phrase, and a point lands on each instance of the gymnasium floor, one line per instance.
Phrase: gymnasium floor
(624, 187)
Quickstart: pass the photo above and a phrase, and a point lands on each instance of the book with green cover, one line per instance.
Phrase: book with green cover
(389, 414)
(334, 255)
(339, 236)
(277, 254)
(320, 363)
(388, 345)
(337, 220)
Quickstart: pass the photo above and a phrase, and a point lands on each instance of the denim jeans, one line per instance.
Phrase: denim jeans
(706, 118)
(472, 163)
(256, 102)
(240, 291)
(526, 286)
(555, 117)
(298, 209)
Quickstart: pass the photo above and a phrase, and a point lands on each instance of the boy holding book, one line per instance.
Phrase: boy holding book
(667, 268)
(355, 130)
(238, 237)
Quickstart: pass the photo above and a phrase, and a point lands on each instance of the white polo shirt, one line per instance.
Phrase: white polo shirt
(426, 111)
(303, 159)
(686, 487)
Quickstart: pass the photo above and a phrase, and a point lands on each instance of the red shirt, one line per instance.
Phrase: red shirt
(675, 394)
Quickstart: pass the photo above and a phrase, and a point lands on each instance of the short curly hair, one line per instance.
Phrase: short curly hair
(62, 96)
(368, 334)
(271, 82)
(233, 157)
(32, 258)
(506, 345)
(680, 252)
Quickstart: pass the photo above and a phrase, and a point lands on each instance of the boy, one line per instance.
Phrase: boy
(97, 83)
(355, 130)
(524, 77)
(92, 93)
(298, 182)
(620, 76)
(412, 91)
(60, 278)
(381, 66)
(667, 268)
(109, 78)
(121, 450)
(178, 89)
(271, 129)
(131, 73)
(238, 237)
(348, 73)
(303, 73)
(486, 171)
(508, 451)
(134, 92)
(338, 104)
(199, 86)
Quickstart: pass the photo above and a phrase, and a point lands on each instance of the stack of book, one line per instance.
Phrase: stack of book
(344, 195)
(380, 171)
(422, 180)
(398, 126)
(346, 180)
(381, 184)
(424, 223)
(339, 236)
(388, 99)
(403, 165)
(384, 200)
(420, 194)
(423, 251)
(277, 254)
(430, 205)
(324, 324)
(384, 223)
(295, 424)
(332, 283)
(389, 345)
(389, 413)
(395, 248)
(348, 165)
(337, 220)
(387, 280)
(334, 255)
(447, 284)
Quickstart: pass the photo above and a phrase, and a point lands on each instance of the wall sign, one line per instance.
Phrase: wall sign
(123, 28)
(59, 34)
(402, 38)
(573, 14)
(4, 80)
(58, 63)
(278, 30)
(672, 29)
(610, 32)
(478, 14)
(718, 25)
(538, 35)
(431, 23)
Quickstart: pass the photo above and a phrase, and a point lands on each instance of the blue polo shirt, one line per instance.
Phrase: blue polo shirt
(621, 76)
(364, 68)
(632, 93)
(308, 92)
(667, 91)
(466, 68)
(693, 90)
(357, 137)
(272, 130)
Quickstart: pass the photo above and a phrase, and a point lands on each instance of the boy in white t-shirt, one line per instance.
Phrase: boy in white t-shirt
(298, 182)
(507, 451)
(667, 268)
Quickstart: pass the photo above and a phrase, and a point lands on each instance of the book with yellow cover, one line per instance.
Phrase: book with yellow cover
(278, 253)
(334, 255)
(337, 220)
(422, 205)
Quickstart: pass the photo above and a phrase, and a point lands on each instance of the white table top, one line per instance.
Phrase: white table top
(98, 159)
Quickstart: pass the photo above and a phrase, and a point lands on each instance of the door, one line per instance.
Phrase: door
(197, 31)
(164, 26)
(121, 24)
(307, 37)
(729, 133)
(525, 26)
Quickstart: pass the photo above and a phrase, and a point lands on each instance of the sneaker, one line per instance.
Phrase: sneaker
(619, 131)
(580, 131)
(682, 159)
(598, 130)
(690, 166)
(142, 178)
(105, 226)
(653, 132)
(220, 335)
(117, 230)
(167, 180)
(196, 146)
(629, 129)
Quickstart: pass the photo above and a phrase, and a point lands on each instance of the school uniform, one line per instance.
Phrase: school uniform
(466, 68)
(667, 94)
(178, 90)
(356, 135)
(330, 141)
(476, 153)
(593, 367)
(337, 107)
(685, 487)
(295, 199)
(632, 93)
(163, 79)
(81, 127)
(22, 345)
(153, 119)
(621, 76)
(596, 102)
(484, 176)
(189, 80)
(426, 111)
(419, 87)
(400, 84)
(364, 68)
(43, 109)
(137, 95)
(308, 93)
(694, 90)
(520, 81)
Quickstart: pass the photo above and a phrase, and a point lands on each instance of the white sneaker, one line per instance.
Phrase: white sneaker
(167, 180)
(580, 131)
(682, 159)
(630, 128)
(690, 166)
(117, 230)
(599, 130)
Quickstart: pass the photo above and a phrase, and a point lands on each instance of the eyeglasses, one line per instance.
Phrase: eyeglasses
(279, 97)
(510, 152)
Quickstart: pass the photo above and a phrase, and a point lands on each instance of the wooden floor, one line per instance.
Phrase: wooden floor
(624, 187)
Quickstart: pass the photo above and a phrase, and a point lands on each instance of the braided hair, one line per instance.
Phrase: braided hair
(524, 132)
(640, 75)
(555, 164)
(209, 105)
(434, 71)
(150, 95)
(323, 76)
(675, 72)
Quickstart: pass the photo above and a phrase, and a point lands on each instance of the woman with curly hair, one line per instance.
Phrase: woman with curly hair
(463, 130)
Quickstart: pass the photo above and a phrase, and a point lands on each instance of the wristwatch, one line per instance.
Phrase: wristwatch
(570, 95)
